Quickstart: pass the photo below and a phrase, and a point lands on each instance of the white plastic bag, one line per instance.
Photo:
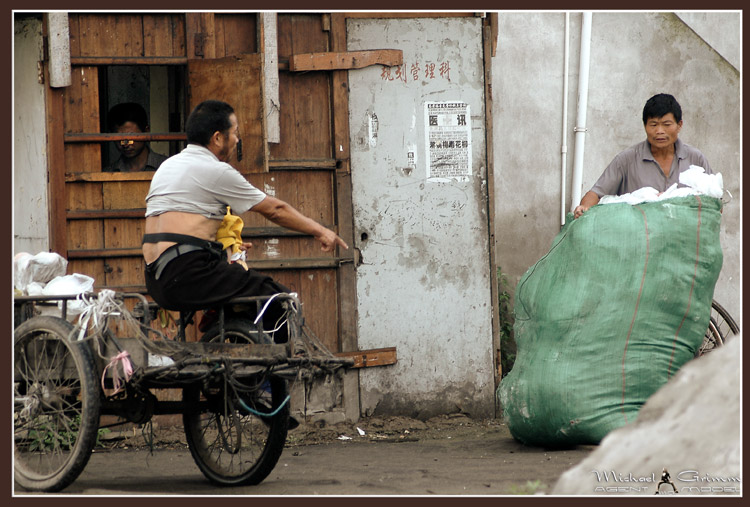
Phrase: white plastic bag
(69, 285)
(40, 268)
(709, 184)
(695, 179)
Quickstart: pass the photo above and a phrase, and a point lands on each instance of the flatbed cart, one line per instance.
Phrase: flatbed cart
(234, 382)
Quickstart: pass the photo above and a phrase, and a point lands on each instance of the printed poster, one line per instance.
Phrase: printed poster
(448, 141)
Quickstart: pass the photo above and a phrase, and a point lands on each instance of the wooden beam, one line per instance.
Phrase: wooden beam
(347, 276)
(134, 136)
(372, 357)
(104, 253)
(111, 213)
(106, 176)
(127, 60)
(271, 103)
(276, 165)
(58, 231)
(200, 35)
(345, 60)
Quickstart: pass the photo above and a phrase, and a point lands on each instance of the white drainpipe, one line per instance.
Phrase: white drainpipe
(564, 145)
(583, 91)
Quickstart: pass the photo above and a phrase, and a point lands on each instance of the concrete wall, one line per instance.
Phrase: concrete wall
(30, 210)
(424, 282)
(633, 56)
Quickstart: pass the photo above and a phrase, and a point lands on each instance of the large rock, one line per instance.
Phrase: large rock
(690, 428)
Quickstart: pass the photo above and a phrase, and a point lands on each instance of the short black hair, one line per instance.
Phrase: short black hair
(208, 117)
(661, 104)
(127, 111)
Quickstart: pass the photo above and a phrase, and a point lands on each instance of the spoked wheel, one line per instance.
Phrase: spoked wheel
(56, 404)
(721, 327)
(236, 429)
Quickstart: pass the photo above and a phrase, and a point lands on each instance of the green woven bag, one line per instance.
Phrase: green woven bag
(619, 303)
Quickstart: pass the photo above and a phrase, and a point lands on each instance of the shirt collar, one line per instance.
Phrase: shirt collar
(645, 150)
(197, 148)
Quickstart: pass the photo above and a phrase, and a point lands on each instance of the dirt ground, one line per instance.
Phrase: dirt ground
(377, 456)
(370, 430)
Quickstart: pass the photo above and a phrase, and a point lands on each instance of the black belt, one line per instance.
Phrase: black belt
(169, 255)
(185, 244)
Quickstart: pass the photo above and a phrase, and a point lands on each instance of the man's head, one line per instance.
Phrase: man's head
(213, 124)
(128, 117)
(660, 105)
(662, 120)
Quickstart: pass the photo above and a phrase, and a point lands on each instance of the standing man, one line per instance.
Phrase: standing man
(134, 155)
(656, 162)
(185, 266)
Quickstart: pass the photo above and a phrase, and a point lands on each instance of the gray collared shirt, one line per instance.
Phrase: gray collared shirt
(636, 168)
(153, 162)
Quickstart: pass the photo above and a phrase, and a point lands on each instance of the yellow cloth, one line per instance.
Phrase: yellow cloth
(230, 232)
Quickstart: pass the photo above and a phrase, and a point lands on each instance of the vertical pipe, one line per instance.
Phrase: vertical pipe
(583, 90)
(564, 144)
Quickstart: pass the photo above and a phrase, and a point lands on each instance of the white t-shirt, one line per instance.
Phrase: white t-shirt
(196, 181)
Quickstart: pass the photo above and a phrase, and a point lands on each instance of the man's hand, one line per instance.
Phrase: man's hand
(580, 210)
(590, 199)
(329, 240)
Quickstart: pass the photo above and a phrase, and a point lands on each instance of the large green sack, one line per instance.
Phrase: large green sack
(621, 301)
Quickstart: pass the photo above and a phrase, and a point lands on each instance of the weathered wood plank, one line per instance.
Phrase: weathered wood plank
(371, 357)
(236, 80)
(345, 60)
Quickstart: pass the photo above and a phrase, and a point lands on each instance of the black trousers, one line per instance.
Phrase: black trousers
(202, 280)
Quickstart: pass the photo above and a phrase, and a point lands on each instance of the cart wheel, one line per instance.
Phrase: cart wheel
(721, 327)
(237, 440)
(56, 404)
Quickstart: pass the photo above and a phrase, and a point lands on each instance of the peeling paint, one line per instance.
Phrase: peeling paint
(272, 248)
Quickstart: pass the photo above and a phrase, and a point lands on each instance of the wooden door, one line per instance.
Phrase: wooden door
(97, 217)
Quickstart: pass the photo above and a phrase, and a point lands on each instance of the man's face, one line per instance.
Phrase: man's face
(229, 141)
(129, 149)
(662, 132)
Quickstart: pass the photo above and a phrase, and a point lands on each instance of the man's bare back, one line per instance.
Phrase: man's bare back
(177, 222)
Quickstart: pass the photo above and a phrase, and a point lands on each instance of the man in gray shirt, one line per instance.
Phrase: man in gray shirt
(656, 162)
(186, 268)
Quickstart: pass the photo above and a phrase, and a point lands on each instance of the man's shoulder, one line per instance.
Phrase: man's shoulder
(686, 150)
(155, 160)
(636, 152)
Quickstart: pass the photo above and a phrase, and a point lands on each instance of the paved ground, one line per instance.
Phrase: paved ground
(446, 456)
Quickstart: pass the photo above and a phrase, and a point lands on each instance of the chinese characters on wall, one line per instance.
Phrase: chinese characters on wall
(417, 71)
(448, 140)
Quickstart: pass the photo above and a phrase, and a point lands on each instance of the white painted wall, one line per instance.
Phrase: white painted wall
(30, 209)
(634, 55)
(424, 282)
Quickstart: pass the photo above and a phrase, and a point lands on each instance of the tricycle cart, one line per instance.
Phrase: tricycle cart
(235, 401)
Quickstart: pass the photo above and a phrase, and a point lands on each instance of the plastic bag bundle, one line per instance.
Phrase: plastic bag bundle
(38, 269)
(620, 302)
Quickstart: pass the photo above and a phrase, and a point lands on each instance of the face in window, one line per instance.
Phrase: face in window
(129, 148)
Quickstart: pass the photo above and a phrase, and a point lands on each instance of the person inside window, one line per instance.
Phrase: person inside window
(134, 155)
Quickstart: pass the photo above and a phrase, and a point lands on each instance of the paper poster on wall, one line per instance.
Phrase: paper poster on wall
(448, 141)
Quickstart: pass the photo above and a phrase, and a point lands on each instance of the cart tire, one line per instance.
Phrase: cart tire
(56, 404)
(721, 327)
(231, 440)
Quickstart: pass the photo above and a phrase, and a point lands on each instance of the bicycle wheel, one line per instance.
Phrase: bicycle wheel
(721, 327)
(236, 439)
(56, 404)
